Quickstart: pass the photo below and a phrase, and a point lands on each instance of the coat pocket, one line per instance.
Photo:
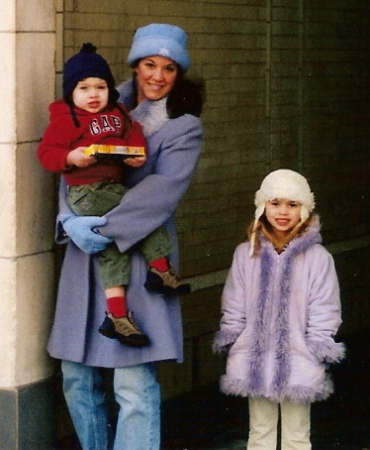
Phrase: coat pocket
(299, 346)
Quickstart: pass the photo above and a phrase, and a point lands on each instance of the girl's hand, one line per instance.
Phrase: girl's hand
(78, 158)
(138, 161)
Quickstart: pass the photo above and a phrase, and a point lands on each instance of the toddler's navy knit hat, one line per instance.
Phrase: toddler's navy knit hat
(87, 63)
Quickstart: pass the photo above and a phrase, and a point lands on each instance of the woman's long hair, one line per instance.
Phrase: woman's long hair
(186, 97)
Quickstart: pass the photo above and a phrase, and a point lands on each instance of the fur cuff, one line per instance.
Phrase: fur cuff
(234, 386)
(328, 351)
(223, 341)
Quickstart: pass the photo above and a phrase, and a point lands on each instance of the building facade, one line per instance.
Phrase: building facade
(287, 86)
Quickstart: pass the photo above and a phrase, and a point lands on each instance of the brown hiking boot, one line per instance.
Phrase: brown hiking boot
(166, 282)
(123, 329)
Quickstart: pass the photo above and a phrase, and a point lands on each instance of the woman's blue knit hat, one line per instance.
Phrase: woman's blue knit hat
(87, 63)
(160, 39)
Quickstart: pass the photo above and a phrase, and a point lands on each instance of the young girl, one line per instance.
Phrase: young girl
(280, 311)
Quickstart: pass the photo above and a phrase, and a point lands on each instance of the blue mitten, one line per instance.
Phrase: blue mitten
(81, 230)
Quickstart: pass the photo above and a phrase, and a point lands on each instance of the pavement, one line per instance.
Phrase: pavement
(209, 420)
(205, 419)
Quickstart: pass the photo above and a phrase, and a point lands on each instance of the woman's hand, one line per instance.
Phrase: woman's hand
(135, 162)
(82, 231)
(78, 158)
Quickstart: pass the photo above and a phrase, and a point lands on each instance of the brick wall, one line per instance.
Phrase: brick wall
(287, 86)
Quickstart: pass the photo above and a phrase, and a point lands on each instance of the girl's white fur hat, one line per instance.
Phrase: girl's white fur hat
(283, 184)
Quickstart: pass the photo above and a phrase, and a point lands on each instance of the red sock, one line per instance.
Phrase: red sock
(160, 264)
(117, 306)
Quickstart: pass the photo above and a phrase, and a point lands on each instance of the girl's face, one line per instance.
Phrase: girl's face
(156, 76)
(91, 94)
(283, 215)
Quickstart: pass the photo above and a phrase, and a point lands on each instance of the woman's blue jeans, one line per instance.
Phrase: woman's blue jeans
(138, 395)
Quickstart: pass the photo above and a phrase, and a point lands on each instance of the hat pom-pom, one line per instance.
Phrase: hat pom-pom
(88, 47)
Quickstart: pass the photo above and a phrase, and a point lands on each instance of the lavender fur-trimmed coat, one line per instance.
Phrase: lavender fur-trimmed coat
(156, 189)
(279, 315)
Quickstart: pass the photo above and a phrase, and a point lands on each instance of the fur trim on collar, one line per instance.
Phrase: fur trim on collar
(151, 115)
(301, 241)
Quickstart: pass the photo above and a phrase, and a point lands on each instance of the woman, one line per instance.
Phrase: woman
(166, 106)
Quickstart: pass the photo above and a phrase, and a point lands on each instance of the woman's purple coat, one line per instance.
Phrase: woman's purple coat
(280, 315)
(156, 189)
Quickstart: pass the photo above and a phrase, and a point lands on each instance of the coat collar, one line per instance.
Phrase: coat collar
(301, 242)
(151, 115)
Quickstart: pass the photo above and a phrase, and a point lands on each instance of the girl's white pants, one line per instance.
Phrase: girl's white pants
(263, 421)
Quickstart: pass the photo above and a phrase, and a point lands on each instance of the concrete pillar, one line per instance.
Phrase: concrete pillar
(27, 55)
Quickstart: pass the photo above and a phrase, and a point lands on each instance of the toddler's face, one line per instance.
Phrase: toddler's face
(283, 215)
(91, 94)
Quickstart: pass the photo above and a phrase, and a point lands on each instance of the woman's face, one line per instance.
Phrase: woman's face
(283, 215)
(156, 76)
